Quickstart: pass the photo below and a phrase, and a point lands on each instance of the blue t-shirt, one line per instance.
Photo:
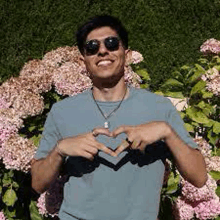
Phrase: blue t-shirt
(123, 188)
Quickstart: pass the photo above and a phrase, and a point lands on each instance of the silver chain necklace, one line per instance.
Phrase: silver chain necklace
(107, 124)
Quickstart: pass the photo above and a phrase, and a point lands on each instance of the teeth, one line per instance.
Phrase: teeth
(104, 62)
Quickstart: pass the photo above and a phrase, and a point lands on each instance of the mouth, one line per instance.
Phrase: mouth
(104, 62)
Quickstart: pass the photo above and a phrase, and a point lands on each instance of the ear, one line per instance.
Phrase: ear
(81, 60)
(128, 57)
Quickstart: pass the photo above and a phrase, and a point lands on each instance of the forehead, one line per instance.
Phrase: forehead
(101, 33)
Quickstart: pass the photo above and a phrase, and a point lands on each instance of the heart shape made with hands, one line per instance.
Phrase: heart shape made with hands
(115, 141)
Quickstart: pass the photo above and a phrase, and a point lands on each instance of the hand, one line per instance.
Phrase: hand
(141, 135)
(85, 145)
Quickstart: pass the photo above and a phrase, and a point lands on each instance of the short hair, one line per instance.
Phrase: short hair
(98, 22)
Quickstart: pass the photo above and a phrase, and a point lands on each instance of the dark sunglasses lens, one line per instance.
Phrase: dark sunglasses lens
(112, 43)
(92, 47)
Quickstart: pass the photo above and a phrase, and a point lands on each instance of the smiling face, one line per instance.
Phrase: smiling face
(105, 66)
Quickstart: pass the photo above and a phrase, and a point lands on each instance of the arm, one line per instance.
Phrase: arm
(45, 171)
(189, 161)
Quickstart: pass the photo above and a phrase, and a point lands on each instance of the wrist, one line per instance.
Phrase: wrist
(168, 131)
(59, 150)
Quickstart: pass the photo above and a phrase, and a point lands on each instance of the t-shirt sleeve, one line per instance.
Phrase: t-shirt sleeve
(50, 136)
(176, 122)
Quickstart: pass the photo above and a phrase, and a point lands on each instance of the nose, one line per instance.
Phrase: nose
(102, 49)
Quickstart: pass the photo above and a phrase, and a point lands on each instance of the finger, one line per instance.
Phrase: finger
(87, 155)
(104, 131)
(121, 129)
(105, 149)
(92, 150)
(135, 144)
(142, 147)
(124, 145)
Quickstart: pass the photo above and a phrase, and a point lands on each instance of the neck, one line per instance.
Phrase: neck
(115, 93)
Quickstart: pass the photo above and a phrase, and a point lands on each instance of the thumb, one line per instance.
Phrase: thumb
(103, 131)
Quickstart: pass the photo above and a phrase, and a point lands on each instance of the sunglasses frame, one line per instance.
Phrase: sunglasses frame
(98, 43)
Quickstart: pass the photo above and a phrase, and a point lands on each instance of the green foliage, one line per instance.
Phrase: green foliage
(167, 33)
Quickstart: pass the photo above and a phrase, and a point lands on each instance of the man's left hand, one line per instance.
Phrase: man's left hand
(141, 135)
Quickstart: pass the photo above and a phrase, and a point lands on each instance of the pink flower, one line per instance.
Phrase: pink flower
(2, 216)
(182, 210)
(68, 79)
(17, 153)
(41, 205)
(28, 104)
(132, 78)
(61, 55)
(35, 76)
(212, 78)
(9, 124)
(210, 46)
(136, 57)
(208, 209)
(3, 104)
(180, 104)
(194, 194)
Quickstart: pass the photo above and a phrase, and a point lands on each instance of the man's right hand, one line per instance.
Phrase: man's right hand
(85, 145)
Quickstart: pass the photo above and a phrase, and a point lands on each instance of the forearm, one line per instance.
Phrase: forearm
(45, 171)
(189, 161)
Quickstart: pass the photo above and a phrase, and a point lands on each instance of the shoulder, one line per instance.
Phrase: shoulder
(149, 97)
(72, 102)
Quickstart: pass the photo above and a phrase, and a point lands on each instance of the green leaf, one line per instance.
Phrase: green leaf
(197, 74)
(36, 139)
(215, 174)
(172, 83)
(34, 211)
(182, 115)
(189, 127)
(197, 116)
(10, 213)
(206, 94)
(210, 124)
(174, 94)
(159, 93)
(216, 127)
(198, 87)
(9, 197)
(172, 183)
(212, 138)
(6, 180)
(185, 67)
(15, 185)
(218, 218)
(218, 152)
(143, 72)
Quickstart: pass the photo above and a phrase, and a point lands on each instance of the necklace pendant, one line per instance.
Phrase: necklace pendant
(106, 124)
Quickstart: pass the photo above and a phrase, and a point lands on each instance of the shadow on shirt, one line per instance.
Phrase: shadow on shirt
(78, 166)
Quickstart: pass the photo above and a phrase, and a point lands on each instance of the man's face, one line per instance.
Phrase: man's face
(105, 64)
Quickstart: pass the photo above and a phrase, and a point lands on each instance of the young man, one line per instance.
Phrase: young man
(113, 139)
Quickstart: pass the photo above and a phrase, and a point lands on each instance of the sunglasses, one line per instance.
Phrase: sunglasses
(92, 47)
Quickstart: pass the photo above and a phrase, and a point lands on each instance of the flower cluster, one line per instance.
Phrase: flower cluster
(210, 46)
(17, 153)
(2, 216)
(212, 162)
(200, 202)
(20, 97)
(10, 122)
(212, 77)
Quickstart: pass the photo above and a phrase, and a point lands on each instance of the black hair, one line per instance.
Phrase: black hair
(98, 22)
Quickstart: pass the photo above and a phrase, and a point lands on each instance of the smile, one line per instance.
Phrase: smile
(104, 63)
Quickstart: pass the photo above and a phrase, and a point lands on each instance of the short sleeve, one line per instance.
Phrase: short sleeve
(176, 122)
(50, 136)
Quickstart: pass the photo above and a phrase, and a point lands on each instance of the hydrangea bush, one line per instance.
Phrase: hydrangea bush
(24, 104)
(195, 90)
(26, 100)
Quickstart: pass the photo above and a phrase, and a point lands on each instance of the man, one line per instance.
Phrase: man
(113, 139)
